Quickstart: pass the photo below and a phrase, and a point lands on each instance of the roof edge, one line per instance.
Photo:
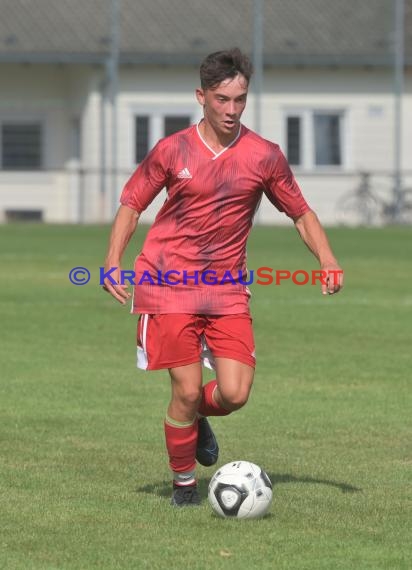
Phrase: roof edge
(145, 59)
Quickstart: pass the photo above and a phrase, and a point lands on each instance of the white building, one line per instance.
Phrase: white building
(327, 99)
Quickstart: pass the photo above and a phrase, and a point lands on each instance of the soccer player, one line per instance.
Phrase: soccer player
(215, 173)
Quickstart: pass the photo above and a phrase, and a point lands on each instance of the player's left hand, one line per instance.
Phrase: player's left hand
(333, 282)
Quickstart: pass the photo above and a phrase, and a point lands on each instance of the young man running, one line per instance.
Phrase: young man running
(215, 174)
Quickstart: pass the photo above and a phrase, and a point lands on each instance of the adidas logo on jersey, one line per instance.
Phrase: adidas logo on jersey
(185, 173)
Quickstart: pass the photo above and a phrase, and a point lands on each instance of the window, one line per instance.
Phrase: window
(149, 128)
(21, 146)
(176, 123)
(293, 140)
(142, 138)
(327, 140)
(314, 138)
(24, 215)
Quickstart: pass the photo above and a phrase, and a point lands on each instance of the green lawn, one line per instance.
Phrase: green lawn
(84, 481)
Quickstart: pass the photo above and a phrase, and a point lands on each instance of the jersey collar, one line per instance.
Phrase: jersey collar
(217, 154)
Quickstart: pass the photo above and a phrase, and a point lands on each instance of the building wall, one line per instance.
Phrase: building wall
(407, 130)
(53, 96)
(364, 97)
(76, 112)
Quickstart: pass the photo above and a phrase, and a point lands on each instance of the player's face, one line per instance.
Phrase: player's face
(223, 106)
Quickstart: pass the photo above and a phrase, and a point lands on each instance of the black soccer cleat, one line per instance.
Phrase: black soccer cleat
(185, 496)
(207, 451)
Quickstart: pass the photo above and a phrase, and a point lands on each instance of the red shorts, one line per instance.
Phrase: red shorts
(166, 341)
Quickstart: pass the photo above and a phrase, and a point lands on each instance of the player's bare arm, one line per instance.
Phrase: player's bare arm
(314, 236)
(123, 228)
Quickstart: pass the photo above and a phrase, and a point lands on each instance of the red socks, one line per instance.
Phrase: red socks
(181, 438)
(181, 442)
(208, 406)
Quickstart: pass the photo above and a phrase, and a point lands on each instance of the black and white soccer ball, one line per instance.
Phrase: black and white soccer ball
(240, 490)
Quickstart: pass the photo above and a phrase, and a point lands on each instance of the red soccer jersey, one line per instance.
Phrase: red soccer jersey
(200, 233)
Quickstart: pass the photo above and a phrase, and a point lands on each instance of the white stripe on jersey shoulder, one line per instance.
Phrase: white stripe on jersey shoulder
(217, 154)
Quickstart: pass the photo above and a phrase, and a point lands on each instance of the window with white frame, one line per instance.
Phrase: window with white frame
(315, 138)
(21, 146)
(150, 127)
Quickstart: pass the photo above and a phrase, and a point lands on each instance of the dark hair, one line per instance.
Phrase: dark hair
(221, 65)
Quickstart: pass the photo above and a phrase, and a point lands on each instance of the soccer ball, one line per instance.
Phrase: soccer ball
(240, 490)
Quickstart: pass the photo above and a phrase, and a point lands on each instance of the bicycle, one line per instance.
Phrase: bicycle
(363, 207)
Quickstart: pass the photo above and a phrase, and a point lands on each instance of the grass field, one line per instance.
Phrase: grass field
(84, 480)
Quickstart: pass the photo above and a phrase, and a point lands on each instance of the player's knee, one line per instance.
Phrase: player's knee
(235, 400)
(190, 397)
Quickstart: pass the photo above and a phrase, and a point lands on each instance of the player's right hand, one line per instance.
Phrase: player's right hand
(116, 290)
